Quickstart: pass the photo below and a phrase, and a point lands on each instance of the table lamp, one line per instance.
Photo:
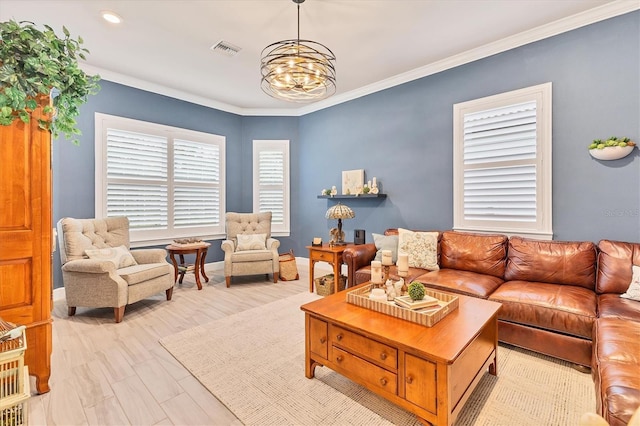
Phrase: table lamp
(340, 211)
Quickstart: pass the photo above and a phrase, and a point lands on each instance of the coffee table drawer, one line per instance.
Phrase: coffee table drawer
(358, 368)
(381, 354)
(318, 342)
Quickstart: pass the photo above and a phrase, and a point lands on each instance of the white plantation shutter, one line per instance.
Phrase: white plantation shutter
(502, 163)
(137, 178)
(271, 182)
(169, 182)
(197, 184)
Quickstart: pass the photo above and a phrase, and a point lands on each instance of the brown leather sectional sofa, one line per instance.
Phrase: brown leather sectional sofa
(559, 298)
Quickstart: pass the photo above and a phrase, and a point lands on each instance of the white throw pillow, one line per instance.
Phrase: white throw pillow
(633, 292)
(119, 256)
(251, 242)
(422, 248)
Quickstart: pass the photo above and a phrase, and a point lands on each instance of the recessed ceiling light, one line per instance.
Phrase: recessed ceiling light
(111, 17)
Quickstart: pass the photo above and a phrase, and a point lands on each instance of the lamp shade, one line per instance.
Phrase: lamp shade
(340, 211)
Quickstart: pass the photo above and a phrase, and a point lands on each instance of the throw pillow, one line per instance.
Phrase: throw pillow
(251, 242)
(422, 248)
(119, 256)
(633, 292)
(386, 242)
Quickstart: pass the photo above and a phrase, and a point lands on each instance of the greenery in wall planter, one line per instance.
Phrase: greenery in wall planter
(611, 149)
(35, 64)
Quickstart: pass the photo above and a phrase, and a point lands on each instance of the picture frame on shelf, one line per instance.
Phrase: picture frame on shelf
(352, 181)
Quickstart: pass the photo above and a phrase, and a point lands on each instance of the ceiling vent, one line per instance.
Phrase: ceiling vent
(225, 48)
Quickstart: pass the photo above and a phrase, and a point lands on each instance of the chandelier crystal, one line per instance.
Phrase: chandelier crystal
(298, 70)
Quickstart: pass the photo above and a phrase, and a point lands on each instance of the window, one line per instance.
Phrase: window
(168, 181)
(271, 182)
(502, 163)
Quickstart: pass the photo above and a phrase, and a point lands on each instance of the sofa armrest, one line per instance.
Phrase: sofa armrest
(144, 256)
(355, 257)
(89, 266)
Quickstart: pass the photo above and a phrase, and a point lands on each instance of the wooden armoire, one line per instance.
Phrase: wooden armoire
(26, 239)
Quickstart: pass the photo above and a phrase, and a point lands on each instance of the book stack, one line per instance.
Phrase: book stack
(406, 302)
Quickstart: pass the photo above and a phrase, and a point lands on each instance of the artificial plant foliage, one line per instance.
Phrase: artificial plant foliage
(36, 63)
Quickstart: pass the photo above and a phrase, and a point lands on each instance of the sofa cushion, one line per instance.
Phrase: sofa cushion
(562, 308)
(422, 248)
(386, 242)
(616, 362)
(463, 282)
(610, 305)
(633, 292)
(615, 261)
(557, 262)
(481, 253)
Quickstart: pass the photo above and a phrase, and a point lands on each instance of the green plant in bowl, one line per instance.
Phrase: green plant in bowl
(416, 291)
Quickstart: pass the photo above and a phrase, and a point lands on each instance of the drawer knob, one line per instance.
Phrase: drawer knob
(409, 379)
(339, 337)
(323, 339)
(383, 381)
(339, 358)
(383, 356)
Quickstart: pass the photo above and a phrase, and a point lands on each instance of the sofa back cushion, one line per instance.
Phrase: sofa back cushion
(556, 262)
(615, 263)
(480, 253)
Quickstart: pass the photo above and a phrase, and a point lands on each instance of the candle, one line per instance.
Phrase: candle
(376, 272)
(387, 260)
(403, 262)
(375, 182)
(369, 183)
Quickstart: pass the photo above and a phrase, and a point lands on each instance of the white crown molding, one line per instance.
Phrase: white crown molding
(609, 10)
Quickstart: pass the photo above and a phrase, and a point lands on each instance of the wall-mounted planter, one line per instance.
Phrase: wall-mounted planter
(611, 152)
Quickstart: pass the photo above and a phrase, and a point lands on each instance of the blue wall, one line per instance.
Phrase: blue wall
(403, 136)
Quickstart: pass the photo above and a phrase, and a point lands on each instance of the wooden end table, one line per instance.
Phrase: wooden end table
(330, 254)
(199, 250)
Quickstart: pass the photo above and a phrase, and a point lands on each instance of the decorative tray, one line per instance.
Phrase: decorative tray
(429, 316)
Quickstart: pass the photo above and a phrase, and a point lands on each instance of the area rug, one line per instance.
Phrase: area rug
(253, 362)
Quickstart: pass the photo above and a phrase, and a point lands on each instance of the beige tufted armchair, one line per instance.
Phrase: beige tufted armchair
(249, 248)
(99, 271)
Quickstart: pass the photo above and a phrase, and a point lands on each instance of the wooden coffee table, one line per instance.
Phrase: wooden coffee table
(429, 371)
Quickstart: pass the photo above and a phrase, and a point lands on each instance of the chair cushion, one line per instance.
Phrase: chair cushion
(251, 255)
(119, 256)
(82, 234)
(251, 242)
(140, 273)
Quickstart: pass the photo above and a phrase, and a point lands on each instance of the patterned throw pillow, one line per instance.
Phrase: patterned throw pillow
(119, 256)
(386, 242)
(251, 242)
(633, 292)
(422, 248)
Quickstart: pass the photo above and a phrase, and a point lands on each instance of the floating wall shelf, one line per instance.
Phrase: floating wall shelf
(342, 197)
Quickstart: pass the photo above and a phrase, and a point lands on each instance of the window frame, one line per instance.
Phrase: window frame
(282, 145)
(141, 238)
(542, 228)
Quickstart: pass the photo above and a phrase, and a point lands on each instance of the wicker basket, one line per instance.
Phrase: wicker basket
(325, 285)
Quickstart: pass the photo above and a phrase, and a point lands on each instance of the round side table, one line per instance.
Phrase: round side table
(199, 250)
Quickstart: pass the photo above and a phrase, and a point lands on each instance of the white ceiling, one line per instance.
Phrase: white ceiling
(163, 45)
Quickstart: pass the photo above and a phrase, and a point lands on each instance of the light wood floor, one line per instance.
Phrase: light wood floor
(103, 373)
